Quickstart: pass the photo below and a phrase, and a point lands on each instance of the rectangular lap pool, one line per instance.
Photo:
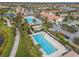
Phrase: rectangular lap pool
(44, 43)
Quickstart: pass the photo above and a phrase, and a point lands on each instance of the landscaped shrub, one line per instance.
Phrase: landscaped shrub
(76, 41)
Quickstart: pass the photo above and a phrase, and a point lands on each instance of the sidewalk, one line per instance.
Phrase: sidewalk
(16, 43)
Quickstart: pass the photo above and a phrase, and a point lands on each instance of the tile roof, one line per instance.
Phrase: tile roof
(49, 16)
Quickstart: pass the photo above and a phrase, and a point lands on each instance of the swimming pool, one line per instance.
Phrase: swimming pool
(29, 20)
(44, 43)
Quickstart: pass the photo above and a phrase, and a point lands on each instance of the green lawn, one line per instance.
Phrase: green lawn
(22, 49)
(8, 43)
(26, 46)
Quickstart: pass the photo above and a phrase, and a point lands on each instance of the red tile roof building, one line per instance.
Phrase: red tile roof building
(51, 16)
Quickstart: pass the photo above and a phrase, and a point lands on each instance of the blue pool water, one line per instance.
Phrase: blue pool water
(45, 44)
(29, 19)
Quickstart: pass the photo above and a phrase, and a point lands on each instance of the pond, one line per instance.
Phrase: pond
(10, 14)
(68, 8)
(1, 40)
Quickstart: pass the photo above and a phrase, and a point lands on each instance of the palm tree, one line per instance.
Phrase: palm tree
(46, 18)
(2, 14)
(50, 24)
(71, 17)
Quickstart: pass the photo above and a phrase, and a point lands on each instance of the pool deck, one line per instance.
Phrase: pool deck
(55, 43)
(30, 20)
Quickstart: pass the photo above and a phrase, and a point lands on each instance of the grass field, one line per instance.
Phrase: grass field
(26, 46)
(9, 39)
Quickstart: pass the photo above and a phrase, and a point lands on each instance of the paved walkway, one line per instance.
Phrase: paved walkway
(16, 43)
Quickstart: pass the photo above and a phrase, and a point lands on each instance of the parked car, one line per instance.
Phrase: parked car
(67, 37)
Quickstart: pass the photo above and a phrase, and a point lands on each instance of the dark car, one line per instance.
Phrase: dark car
(67, 37)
